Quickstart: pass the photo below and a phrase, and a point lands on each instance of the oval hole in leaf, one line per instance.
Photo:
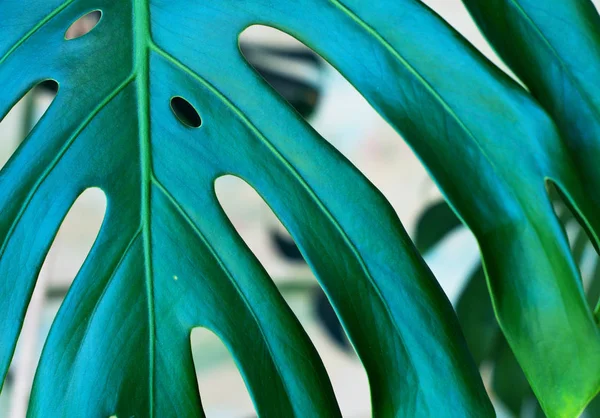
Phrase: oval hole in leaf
(255, 222)
(185, 112)
(83, 25)
(70, 247)
(23, 116)
(222, 388)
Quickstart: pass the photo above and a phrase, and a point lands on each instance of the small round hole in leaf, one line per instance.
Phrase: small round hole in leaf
(185, 112)
(83, 25)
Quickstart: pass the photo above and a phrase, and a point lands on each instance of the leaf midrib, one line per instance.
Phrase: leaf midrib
(141, 54)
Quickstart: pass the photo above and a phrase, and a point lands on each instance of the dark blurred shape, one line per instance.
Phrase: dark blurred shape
(509, 381)
(477, 319)
(48, 86)
(286, 247)
(288, 70)
(329, 320)
(435, 223)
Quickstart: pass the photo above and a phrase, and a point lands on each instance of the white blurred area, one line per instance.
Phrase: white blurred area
(348, 122)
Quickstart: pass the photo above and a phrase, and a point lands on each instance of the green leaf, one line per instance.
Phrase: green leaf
(554, 47)
(486, 141)
(167, 259)
(476, 316)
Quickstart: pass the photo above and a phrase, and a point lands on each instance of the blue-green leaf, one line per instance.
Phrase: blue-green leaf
(167, 259)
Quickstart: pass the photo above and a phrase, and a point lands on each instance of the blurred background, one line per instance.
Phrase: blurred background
(337, 111)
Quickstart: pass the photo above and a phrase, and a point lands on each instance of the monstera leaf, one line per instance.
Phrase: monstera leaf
(167, 259)
(476, 314)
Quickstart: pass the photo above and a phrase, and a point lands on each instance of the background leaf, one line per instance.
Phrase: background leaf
(434, 224)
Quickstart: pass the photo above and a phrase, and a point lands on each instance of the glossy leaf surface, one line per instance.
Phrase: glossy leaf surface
(554, 48)
(167, 258)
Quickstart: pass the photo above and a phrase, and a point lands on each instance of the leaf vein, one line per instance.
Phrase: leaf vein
(33, 30)
(99, 301)
(223, 267)
(57, 159)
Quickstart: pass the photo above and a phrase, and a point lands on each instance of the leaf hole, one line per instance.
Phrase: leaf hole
(185, 112)
(23, 116)
(84, 25)
(222, 388)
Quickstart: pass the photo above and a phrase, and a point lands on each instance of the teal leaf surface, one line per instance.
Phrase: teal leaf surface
(167, 258)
